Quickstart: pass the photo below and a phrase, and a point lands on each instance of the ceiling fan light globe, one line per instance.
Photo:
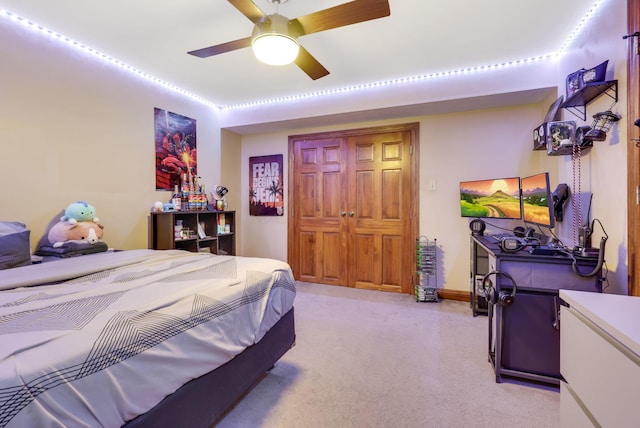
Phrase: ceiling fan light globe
(275, 48)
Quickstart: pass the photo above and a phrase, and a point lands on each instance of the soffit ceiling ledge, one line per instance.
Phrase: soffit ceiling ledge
(525, 84)
(406, 112)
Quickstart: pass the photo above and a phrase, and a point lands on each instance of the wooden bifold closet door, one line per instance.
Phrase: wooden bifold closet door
(353, 207)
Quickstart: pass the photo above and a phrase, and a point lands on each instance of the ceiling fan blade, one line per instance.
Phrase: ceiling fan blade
(222, 48)
(249, 9)
(344, 14)
(310, 65)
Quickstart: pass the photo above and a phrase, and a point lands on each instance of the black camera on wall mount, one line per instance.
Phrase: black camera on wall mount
(560, 197)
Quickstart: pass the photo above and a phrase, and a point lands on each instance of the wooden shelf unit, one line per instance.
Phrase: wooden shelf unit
(163, 235)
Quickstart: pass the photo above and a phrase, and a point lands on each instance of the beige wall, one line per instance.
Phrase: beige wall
(231, 150)
(263, 236)
(491, 143)
(75, 128)
(604, 169)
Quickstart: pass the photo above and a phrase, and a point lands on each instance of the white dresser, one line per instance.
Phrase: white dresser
(599, 360)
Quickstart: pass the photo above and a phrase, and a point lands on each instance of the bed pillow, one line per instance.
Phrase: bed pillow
(15, 245)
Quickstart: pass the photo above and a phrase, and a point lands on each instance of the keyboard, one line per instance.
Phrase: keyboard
(549, 250)
(545, 251)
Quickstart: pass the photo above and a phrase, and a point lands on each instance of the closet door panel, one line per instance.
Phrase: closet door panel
(318, 211)
(364, 195)
(307, 186)
(307, 267)
(392, 274)
(380, 170)
(391, 194)
(363, 269)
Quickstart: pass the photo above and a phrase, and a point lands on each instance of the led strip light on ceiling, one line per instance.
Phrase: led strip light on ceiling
(400, 81)
(106, 58)
(363, 87)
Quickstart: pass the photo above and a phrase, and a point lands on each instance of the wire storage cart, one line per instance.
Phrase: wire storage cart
(427, 270)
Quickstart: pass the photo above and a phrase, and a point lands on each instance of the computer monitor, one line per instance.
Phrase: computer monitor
(537, 201)
(493, 198)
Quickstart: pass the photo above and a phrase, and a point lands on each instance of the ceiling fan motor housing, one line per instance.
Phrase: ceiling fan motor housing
(276, 24)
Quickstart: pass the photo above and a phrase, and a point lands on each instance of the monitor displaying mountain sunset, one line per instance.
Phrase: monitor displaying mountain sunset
(494, 198)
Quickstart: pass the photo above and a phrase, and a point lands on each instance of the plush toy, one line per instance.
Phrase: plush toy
(81, 231)
(169, 207)
(79, 211)
(157, 207)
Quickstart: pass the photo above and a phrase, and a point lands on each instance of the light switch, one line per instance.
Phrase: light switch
(433, 184)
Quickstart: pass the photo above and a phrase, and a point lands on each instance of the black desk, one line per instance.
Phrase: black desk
(524, 337)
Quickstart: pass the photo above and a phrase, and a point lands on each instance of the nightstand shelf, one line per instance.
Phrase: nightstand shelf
(195, 231)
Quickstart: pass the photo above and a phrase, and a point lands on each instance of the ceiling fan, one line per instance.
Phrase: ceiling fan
(288, 30)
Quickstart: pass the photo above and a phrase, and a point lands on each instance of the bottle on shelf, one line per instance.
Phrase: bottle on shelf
(185, 193)
(204, 202)
(190, 202)
(192, 194)
(176, 198)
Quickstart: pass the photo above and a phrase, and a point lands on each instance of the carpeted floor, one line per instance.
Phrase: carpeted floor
(372, 359)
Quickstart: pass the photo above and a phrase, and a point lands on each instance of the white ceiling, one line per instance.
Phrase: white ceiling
(419, 37)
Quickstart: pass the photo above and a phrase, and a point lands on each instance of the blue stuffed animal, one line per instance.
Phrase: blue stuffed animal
(79, 211)
(169, 207)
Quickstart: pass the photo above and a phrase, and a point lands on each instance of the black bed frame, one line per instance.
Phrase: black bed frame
(202, 402)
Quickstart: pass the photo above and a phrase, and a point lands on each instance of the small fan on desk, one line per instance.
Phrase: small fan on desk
(217, 194)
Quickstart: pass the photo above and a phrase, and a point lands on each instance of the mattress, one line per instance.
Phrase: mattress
(99, 339)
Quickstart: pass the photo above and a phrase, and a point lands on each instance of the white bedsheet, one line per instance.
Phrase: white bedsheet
(100, 349)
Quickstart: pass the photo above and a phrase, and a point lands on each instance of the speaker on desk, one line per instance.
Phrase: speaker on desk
(503, 298)
(477, 227)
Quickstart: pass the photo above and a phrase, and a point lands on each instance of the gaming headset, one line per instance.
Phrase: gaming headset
(521, 232)
(512, 244)
(504, 298)
(522, 238)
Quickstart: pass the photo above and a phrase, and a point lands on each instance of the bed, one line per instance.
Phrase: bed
(139, 338)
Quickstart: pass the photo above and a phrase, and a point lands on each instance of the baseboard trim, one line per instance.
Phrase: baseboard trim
(462, 296)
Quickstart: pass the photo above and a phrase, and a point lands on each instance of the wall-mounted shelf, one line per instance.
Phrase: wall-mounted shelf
(568, 150)
(576, 104)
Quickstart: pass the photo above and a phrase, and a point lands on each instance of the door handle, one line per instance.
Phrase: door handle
(343, 213)
(351, 213)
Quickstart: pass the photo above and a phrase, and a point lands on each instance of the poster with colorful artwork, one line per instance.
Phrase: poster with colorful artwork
(175, 143)
(266, 185)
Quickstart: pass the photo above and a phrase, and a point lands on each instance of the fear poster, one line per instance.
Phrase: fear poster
(175, 143)
(266, 186)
